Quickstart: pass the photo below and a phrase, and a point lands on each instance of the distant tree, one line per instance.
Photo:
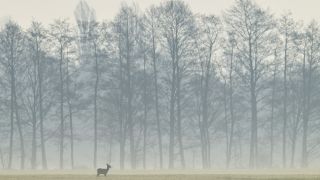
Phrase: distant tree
(86, 19)
(62, 37)
(126, 26)
(152, 28)
(177, 26)
(253, 27)
(210, 29)
(309, 67)
(36, 36)
(286, 28)
(12, 42)
(230, 55)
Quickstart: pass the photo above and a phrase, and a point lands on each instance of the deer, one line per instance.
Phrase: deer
(103, 171)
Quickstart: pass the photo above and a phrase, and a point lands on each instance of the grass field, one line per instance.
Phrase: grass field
(162, 175)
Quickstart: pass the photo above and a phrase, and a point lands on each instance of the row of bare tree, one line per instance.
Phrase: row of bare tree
(161, 88)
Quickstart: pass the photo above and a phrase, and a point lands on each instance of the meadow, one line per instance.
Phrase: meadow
(163, 175)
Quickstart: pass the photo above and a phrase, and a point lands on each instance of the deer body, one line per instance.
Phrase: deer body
(103, 171)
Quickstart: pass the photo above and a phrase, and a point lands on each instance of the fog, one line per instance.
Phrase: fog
(46, 11)
(159, 84)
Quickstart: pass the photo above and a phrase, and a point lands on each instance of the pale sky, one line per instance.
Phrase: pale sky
(23, 11)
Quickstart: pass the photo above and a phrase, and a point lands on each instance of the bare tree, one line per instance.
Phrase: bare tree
(231, 44)
(85, 17)
(286, 28)
(152, 29)
(177, 26)
(126, 26)
(61, 34)
(12, 46)
(36, 39)
(252, 26)
(207, 41)
(94, 41)
(311, 46)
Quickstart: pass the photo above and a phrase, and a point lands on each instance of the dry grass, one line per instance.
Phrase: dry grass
(163, 175)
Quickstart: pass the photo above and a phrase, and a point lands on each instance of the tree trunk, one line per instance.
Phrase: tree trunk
(21, 137)
(179, 119)
(229, 151)
(145, 112)
(294, 138)
(70, 116)
(12, 105)
(172, 118)
(157, 99)
(284, 128)
(121, 119)
(203, 123)
(34, 135)
(253, 100)
(61, 110)
(110, 147)
(34, 118)
(42, 142)
(96, 68)
(205, 142)
(306, 101)
(272, 113)
(225, 113)
(71, 136)
(129, 96)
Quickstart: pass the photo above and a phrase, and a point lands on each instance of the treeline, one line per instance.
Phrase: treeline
(163, 88)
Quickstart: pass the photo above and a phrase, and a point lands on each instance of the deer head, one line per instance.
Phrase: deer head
(108, 166)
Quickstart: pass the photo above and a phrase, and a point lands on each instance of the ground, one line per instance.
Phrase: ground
(164, 175)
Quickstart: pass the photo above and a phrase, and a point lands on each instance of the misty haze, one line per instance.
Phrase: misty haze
(160, 90)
